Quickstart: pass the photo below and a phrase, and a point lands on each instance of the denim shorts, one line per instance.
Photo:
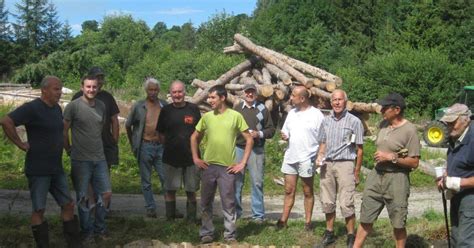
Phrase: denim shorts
(93, 172)
(55, 184)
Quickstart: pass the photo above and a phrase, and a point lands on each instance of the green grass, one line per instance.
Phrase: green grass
(15, 231)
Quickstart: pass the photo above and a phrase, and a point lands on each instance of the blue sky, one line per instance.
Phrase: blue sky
(171, 12)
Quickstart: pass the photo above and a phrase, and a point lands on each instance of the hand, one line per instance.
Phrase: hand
(284, 136)
(254, 134)
(357, 177)
(440, 183)
(380, 156)
(319, 161)
(203, 165)
(453, 183)
(235, 168)
(25, 146)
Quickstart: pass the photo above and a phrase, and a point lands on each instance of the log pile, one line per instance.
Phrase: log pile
(275, 75)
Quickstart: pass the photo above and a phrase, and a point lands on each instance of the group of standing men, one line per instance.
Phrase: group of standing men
(166, 137)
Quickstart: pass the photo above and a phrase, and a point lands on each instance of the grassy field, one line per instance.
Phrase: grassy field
(424, 231)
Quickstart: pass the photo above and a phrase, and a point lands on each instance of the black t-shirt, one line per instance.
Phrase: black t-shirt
(177, 124)
(44, 129)
(111, 109)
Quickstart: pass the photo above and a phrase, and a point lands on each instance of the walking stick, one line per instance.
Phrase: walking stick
(445, 208)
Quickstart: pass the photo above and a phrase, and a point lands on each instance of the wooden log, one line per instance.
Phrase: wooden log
(305, 67)
(226, 77)
(233, 100)
(204, 107)
(235, 80)
(281, 91)
(249, 45)
(236, 48)
(265, 90)
(278, 73)
(328, 86)
(257, 75)
(267, 78)
(248, 80)
(245, 74)
(234, 87)
(269, 104)
(200, 84)
(320, 93)
(364, 107)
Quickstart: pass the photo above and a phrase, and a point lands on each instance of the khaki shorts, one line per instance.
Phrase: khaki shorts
(386, 189)
(303, 169)
(176, 176)
(337, 179)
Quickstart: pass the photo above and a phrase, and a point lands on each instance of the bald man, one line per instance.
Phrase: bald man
(301, 129)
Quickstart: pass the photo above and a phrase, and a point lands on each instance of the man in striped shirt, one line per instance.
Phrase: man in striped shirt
(340, 144)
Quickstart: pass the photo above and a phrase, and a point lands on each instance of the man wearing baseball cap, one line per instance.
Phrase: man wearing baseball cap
(388, 184)
(261, 127)
(460, 174)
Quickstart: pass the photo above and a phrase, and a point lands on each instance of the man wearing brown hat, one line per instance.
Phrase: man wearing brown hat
(261, 127)
(388, 184)
(459, 180)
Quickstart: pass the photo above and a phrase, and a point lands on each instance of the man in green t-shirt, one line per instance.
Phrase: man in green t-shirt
(221, 127)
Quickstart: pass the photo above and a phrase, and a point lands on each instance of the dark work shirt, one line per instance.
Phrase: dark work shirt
(44, 129)
(111, 109)
(177, 125)
(461, 156)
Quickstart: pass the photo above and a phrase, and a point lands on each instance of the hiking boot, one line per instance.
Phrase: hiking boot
(207, 239)
(41, 234)
(328, 238)
(350, 240)
(71, 233)
(280, 225)
(151, 213)
(308, 227)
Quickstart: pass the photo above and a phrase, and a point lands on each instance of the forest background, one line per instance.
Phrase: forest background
(421, 49)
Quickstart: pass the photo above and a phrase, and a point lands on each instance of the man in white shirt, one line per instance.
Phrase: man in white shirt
(301, 129)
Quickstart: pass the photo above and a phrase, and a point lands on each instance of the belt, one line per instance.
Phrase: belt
(153, 142)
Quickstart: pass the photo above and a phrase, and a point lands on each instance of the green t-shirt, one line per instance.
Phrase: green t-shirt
(221, 131)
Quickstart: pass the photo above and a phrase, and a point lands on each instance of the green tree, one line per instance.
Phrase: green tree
(4, 28)
(187, 36)
(52, 30)
(91, 25)
(159, 29)
(31, 18)
(219, 31)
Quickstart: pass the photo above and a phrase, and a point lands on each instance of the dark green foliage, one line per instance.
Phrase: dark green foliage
(91, 25)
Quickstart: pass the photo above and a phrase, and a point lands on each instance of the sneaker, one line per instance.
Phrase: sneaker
(350, 240)
(258, 221)
(207, 239)
(280, 225)
(308, 227)
(328, 238)
(151, 213)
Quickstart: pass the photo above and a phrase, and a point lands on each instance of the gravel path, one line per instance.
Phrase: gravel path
(18, 202)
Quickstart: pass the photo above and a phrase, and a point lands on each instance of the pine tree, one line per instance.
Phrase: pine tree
(31, 16)
(51, 33)
(4, 27)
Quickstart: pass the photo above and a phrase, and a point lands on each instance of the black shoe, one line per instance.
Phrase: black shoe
(207, 239)
(328, 238)
(350, 240)
(308, 227)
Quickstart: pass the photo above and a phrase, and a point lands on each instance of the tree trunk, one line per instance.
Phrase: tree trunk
(320, 93)
(363, 107)
(249, 45)
(278, 73)
(258, 76)
(248, 80)
(267, 78)
(226, 77)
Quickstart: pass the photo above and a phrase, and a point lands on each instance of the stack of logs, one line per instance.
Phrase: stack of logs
(275, 75)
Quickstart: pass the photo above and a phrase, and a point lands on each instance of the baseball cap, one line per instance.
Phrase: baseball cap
(95, 71)
(392, 99)
(452, 113)
(250, 86)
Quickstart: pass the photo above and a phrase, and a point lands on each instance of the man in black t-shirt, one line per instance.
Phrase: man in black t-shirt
(43, 121)
(175, 127)
(110, 133)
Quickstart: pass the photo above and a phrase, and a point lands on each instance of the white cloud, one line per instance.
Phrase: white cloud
(76, 28)
(178, 11)
(118, 12)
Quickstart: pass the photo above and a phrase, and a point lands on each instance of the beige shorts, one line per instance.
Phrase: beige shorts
(337, 180)
(176, 176)
(302, 169)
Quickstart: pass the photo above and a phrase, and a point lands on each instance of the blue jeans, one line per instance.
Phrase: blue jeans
(56, 185)
(255, 166)
(97, 174)
(150, 157)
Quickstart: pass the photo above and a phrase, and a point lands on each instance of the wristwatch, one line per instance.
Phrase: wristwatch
(394, 158)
